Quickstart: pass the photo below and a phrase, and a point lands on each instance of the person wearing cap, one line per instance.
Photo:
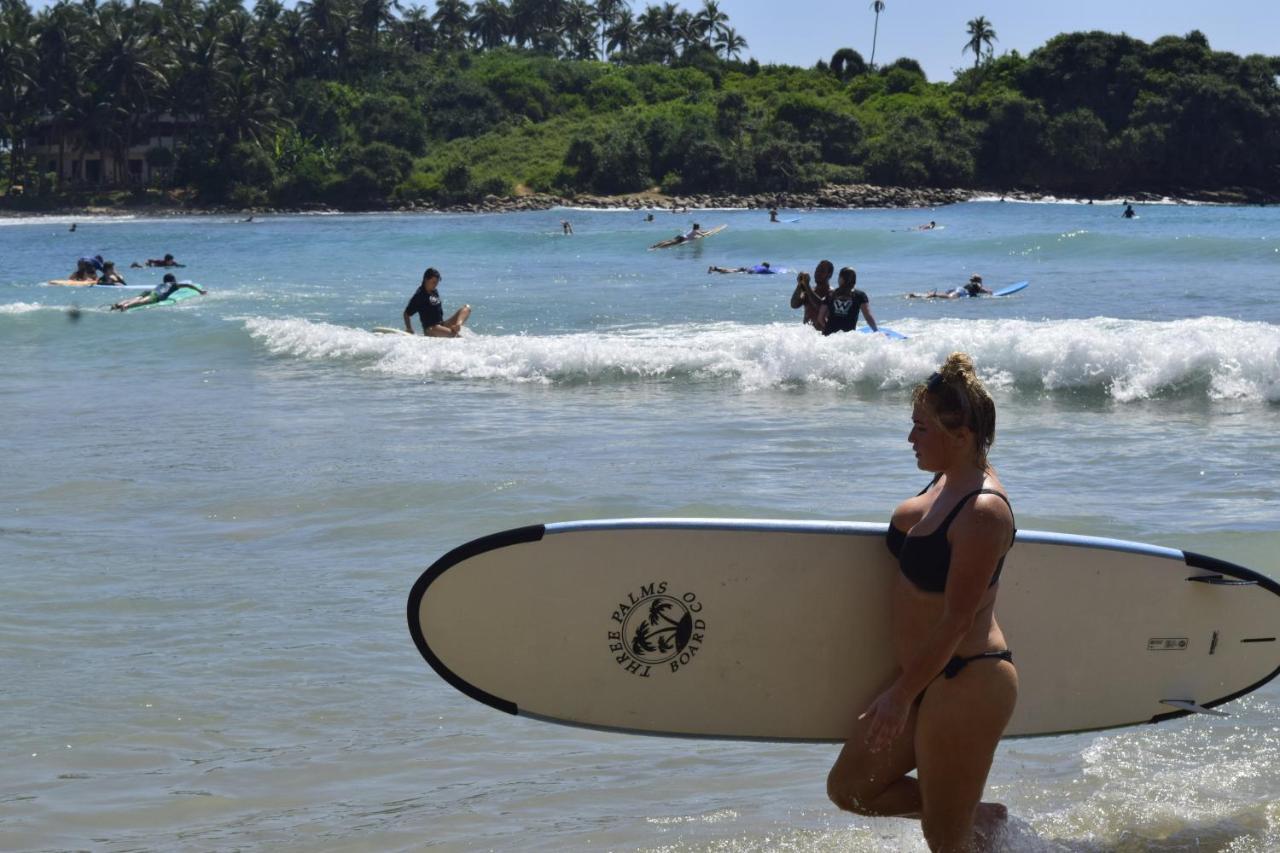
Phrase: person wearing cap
(426, 303)
(167, 287)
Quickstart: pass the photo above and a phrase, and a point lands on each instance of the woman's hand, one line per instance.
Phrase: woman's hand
(886, 719)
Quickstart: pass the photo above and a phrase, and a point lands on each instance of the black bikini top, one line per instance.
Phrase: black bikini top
(926, 560)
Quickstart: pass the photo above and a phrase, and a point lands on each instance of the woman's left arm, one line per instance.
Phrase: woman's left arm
(979, 537)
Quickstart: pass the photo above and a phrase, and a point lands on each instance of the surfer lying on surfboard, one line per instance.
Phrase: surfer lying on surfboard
(167, 287)
(761, 268)
(974, 287)
(955, 685)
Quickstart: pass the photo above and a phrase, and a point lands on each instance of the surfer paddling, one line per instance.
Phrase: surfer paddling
(426, 303)
(955, 686)
(694, 233)
(974, 287)
(168, 286)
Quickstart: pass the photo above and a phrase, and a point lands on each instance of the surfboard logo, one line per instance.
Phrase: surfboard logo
(656, 630)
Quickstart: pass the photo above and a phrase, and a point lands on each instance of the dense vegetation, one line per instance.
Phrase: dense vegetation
(347, 102)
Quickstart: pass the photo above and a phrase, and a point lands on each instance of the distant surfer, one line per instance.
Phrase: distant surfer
(426, 303)
(813, 299)
(648, 217)
(72, 228)
(840, 314)
(1129, 212)
(773, 214)
(166, 261)
(932, 225)
(761, 268)
(974, 287)
(955, 685)
(168, 286)
(694, 233)
(565, 226)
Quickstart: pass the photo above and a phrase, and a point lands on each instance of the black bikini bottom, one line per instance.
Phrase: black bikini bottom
(956, 664)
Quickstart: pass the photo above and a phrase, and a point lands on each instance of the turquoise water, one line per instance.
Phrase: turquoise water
(213, 514)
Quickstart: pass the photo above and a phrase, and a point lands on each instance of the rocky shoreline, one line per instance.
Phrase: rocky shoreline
(843, 196)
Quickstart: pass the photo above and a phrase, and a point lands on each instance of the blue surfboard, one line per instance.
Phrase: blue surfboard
(1011, 289)
(883, 330)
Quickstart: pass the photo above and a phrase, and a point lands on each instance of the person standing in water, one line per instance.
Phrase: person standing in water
(426, 303)
(840, 314)
(813, 299)
(955, 686)
(1129, 212)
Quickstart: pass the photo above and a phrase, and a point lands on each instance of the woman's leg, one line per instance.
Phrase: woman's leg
(876, 783)
(960, 722)
(459, 318)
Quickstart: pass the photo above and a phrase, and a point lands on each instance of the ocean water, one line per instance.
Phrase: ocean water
(211, 515)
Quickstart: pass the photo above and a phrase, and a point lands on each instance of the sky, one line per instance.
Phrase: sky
(799, 32)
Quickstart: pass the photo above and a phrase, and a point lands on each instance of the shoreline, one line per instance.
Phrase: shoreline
(832, 197)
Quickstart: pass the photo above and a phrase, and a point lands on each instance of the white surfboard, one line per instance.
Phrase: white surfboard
(779, 630)
(388, 330)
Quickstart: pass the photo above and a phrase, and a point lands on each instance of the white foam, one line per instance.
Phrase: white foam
(1127, 360)
(22, 308)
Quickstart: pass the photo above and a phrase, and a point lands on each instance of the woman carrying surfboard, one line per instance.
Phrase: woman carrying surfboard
(956, 685)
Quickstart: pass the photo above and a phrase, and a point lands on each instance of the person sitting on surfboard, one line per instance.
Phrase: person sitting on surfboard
(813, 299)
(840, 313)
(85, 271)
(761, 268)
(974, 287)
(426, 303)
(1128, 211)
(167, 287)
(693, 233)
(109, 274)
(955, 684)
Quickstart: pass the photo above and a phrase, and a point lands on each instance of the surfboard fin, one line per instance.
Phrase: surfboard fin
(1221, 580)
(1191, 707)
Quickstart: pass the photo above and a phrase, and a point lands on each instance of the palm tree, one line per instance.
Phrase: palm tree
(450, 21)
(374, 15)
(415, 30)
(607, 12)
(17, 85)
(490, 23)
(622, 33)
(709, 21)
(980, 33)
(730, 43)
(578, 27)
(877, 7)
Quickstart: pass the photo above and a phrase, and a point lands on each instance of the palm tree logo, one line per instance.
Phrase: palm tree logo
(658, 629)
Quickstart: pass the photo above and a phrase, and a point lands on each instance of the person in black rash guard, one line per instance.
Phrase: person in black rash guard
(840, 313)
(426, 303)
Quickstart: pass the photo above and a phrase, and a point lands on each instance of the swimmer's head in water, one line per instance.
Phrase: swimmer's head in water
(169, 278)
